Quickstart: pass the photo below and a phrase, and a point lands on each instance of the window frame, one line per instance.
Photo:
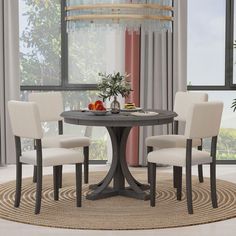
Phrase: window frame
(229, 54)
(229, 41)
(64, 85)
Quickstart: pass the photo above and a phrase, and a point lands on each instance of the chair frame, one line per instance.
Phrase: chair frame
(178, 173)
(39, 175)
(176, 168)
(86, 161)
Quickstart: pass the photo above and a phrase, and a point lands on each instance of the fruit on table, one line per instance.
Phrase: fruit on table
(91, 106)
(130, 105)
(98, 102)
(98, 106)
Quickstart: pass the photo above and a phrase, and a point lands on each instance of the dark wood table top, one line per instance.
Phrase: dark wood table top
(123, 119)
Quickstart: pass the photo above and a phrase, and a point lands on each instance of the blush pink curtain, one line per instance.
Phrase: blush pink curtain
(132, 67)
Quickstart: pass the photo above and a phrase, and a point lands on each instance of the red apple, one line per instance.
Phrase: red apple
(99, 107)
(98, 102)
(91, 106)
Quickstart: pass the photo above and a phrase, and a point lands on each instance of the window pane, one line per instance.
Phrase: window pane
(206, 42)
(234, 46)
(227, 138)
(75, 100)
(40, 42)
(91, 52)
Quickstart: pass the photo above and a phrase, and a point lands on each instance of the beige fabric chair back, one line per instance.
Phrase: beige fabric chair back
(50, 105)
(203, 120)
(88, 131)
(25, 119)
(184, 100)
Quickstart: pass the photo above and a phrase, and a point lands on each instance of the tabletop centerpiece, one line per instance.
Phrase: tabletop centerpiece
(111, 86)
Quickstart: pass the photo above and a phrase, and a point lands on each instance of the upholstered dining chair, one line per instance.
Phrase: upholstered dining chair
(203, 121)
(25, 122)
(50, 106)
(182, 103)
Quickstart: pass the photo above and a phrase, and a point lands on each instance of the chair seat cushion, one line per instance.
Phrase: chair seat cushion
(170, 141)
(65, 141)
(53, 157)
(177, 157)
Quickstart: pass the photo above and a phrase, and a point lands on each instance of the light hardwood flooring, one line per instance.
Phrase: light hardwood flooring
(226, 228)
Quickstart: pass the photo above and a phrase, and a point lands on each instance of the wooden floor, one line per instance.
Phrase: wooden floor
(226, 228)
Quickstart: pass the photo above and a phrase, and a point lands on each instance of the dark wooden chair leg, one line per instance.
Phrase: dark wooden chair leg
(213, 185)
(56, 182)
(179, 183)
(149, 149)
(189, 176)
(175, 131)
(86, 165)
(38, 190)
(152, 170)
(18, 184)
(60, 168)
(149, 172)
(213, 172)
(175, 177)
(189, 189)
(35, 167)
(35, 174)
(60, 132)
(200, 174)
(200, 168)
(78, 173)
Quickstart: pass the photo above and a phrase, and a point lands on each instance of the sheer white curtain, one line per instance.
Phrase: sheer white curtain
(163, 71)
(9, 74)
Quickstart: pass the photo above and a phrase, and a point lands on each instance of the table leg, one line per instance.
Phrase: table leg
(101, 190)
(119, 171)
(135, 188)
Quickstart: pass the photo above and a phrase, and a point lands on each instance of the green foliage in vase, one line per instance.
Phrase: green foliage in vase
(112, 85)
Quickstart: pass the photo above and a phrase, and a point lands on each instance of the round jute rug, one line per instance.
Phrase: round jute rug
(117, 213)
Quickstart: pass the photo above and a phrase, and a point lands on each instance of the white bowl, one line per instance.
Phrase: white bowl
(99, 113)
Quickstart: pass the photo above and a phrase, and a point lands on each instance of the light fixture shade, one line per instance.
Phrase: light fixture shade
(131, 15)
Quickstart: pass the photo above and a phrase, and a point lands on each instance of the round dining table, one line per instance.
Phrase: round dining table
(118, 126)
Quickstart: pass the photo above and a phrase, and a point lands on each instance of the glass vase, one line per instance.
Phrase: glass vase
(115, 106)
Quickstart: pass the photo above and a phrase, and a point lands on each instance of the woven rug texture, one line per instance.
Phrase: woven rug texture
(117, 213)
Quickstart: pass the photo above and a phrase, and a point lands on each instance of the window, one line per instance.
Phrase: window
(51, 59)
(91, 52)
(227, 136)
(234, 47)
(211, 63)
(40, 49)
(206, 42)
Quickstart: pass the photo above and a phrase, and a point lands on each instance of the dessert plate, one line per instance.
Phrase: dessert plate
(131, 110)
